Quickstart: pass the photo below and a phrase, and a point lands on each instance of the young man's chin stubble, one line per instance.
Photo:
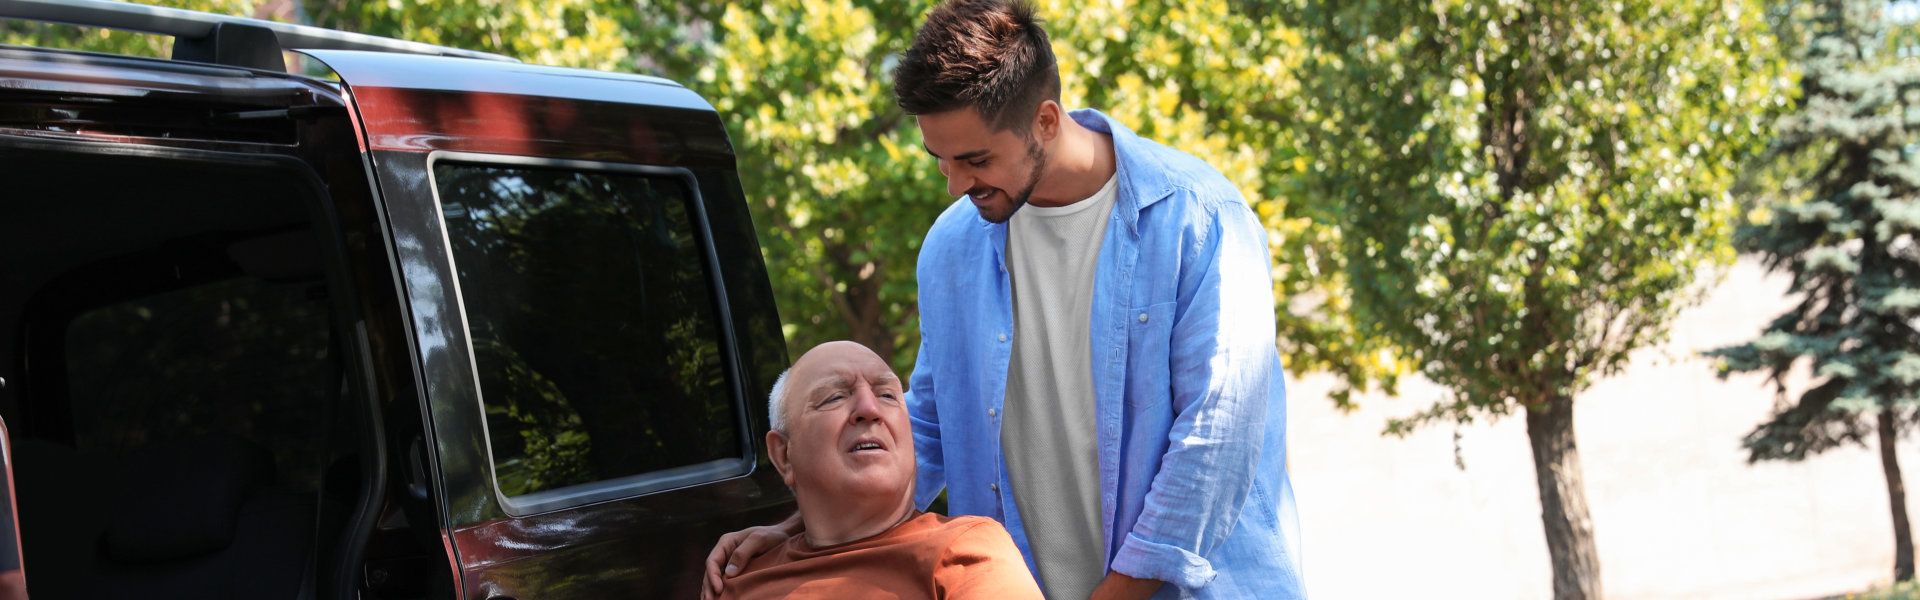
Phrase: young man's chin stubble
(1039, 158)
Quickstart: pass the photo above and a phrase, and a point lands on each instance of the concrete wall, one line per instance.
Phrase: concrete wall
(1678, 512)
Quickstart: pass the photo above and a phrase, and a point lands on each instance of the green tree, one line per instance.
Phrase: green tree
(1838, 212)
(1215, 78)
(1526, 192)
(831, 166)
(590, 34)
(843, 191)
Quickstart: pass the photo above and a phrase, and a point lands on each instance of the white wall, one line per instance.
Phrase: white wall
(1678, 512)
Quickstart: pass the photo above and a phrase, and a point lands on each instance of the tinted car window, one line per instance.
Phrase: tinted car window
(242, 356)
(593, 323)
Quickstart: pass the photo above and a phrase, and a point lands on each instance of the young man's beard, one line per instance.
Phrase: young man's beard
(1039, 158)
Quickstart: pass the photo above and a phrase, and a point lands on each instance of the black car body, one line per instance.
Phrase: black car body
(443, 326)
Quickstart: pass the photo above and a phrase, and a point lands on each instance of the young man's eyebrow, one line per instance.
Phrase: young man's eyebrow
(961, 156)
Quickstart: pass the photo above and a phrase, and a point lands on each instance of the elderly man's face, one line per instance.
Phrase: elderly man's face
(848, 435)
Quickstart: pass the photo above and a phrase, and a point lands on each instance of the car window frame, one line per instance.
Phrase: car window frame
(628, 486)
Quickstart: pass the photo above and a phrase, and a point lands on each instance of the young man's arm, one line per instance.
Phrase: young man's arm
(930, 474)
(1117, 586)
(1222, 361)
(735, 549)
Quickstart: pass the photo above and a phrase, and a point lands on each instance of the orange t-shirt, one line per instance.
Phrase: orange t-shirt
(928, 556)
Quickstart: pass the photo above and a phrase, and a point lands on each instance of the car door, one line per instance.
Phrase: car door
(588, 314)
(13, 578)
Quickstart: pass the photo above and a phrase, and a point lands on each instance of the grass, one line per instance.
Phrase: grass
(1905, 591)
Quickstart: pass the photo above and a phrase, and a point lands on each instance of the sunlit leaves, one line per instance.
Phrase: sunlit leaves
(845, 191)
(573, 33)
(1527, 191)
(842, 191)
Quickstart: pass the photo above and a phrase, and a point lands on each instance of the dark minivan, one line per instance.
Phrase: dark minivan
(431, 324)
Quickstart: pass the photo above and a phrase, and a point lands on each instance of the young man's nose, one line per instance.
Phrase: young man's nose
(958, 181)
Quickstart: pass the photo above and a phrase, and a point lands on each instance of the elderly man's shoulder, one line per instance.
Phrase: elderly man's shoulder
(980, 560)
(969, 532)
(972, 526)
(927, 556)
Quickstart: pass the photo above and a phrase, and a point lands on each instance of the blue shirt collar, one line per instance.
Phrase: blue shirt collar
(1142, 173)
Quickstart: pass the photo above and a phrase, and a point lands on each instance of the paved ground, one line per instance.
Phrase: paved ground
(1678, 512)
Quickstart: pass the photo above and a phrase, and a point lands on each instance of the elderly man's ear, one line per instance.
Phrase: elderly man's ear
(777, 450)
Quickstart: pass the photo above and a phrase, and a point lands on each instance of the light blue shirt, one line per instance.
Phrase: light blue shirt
(1187, 382)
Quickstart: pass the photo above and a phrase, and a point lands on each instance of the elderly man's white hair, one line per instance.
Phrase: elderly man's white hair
(777, 403)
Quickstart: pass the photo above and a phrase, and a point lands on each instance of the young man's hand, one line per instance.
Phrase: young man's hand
(732, 552)
(1119, 586)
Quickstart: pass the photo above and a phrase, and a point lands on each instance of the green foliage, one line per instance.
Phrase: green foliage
(840, 188)
(1900, 591)
(1836, 208)
(590, 34)
(1526, 192)
(1214, 78)
(843, 192)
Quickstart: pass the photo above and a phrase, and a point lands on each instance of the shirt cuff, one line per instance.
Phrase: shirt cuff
(1148, 560)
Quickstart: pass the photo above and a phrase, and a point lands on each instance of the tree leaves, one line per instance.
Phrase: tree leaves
(1526, 191)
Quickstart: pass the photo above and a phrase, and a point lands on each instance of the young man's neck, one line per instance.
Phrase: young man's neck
(1078, 165)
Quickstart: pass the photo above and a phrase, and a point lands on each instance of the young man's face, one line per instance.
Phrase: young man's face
(848, 435)
(996, 169)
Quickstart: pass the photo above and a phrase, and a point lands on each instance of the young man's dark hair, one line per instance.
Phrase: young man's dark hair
(990, 55)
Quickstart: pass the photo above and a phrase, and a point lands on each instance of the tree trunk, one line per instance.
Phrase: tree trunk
(1563, 501)
(1897, 496)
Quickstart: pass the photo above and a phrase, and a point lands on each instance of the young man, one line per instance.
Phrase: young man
(1097, 367)
(841, 440)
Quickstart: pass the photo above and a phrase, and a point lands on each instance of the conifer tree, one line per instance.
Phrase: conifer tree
(1838, 211)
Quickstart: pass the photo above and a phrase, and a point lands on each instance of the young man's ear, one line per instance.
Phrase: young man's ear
(777, 450)
(1046, 122)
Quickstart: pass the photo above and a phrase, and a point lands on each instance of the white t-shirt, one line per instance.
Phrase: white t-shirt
(1047, 434)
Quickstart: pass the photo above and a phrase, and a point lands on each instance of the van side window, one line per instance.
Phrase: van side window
(593, 323)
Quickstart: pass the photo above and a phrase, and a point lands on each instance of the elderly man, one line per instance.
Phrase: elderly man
(842, 440)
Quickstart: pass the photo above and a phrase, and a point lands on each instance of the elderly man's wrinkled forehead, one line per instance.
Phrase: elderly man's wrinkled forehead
(836, 366)
(827, 368)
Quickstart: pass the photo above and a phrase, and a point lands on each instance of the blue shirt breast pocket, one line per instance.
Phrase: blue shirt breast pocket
(1149, 355)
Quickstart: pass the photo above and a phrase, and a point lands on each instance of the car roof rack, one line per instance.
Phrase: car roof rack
(219, 39)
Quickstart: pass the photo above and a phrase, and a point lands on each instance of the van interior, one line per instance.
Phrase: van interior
(182, 388)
